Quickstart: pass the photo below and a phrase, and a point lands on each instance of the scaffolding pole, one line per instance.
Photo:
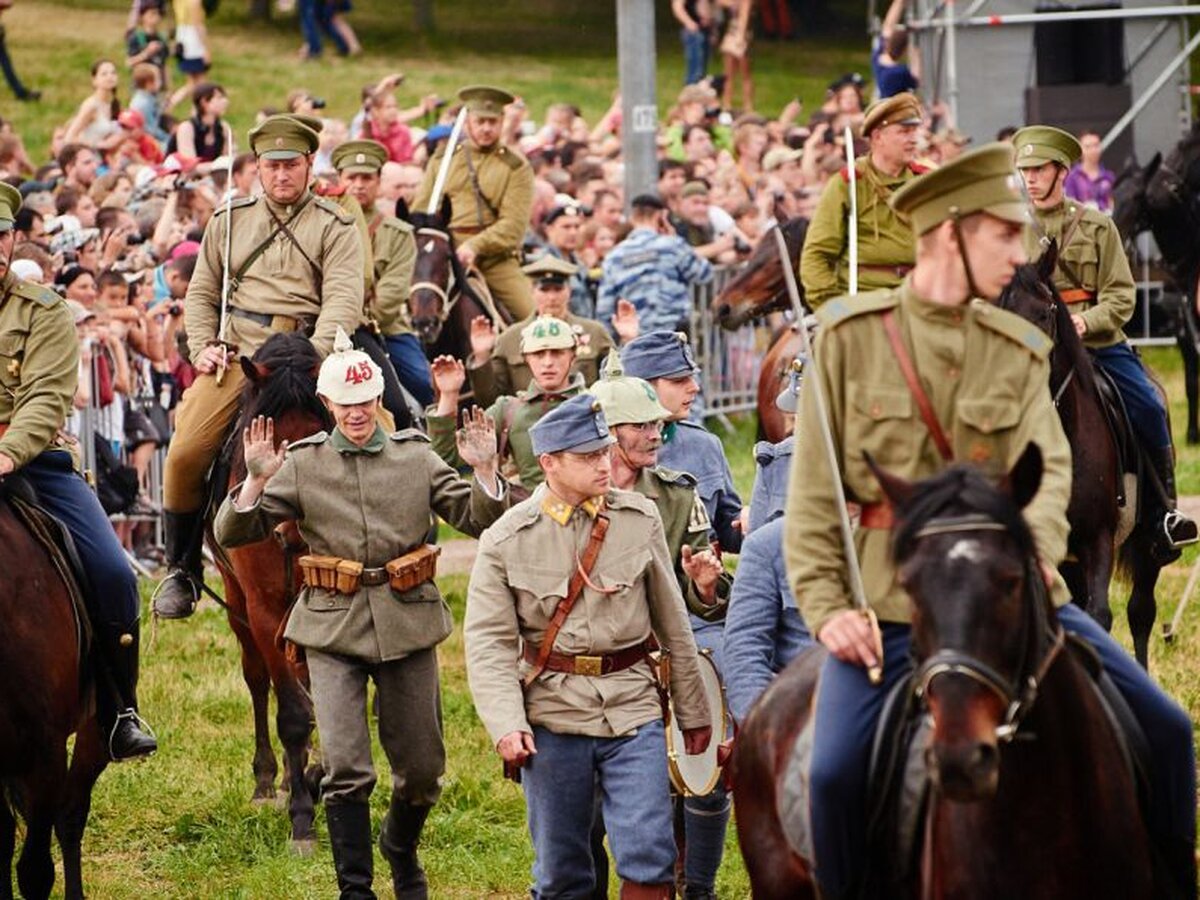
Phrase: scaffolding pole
(1148, 95)
(1083, 15)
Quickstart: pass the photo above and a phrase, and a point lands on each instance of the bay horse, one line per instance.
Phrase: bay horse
(46, 695)
(1164, 198)
(261, 581)
(1030, 793)
(1104, 535)
(757, 290)
(442, 302)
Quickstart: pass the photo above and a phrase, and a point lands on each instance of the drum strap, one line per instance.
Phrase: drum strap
(574, 589)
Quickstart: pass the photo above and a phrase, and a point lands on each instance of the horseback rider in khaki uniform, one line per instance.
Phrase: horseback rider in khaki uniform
(567, 590)
(1093, 278)
(393, 255)
(497, 366)
(918, 377)
(885, 241)
(369, 608)
(490, 187)
(39, 370)
(296, 264)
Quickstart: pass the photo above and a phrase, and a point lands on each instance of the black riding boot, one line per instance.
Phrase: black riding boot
(1177, 530)
(125, 734)
(350, 838)
(178, 593)
(398, 840)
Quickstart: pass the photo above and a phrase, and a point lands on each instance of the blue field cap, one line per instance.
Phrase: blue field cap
(577, 425)
(659, 354)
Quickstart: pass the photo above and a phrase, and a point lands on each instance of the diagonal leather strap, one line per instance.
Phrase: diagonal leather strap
(574, 589)
(1062, 264)
(914, 385)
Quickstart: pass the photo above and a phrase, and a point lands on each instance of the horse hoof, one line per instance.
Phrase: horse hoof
(304, 847)
(259, 800)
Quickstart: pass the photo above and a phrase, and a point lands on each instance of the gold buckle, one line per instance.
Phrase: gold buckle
(589, 665)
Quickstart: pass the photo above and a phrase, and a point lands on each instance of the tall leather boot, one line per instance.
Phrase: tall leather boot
(634, 890)
(350, 838)
(1177, 529)
(178, 593)
(398, 840)
(125, 732)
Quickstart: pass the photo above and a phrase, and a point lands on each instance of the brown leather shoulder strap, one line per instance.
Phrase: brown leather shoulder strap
(574, 589)
(1063, 266)
(914, 385)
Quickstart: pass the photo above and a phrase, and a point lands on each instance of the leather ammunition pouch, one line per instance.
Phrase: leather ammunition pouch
(413, 568)
(345, 576)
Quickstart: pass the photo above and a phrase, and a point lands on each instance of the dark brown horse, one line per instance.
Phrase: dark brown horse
(1102, 532)
(756, 291)
(1030, 794)
(45, 696)
(262, 579)
(442, 302)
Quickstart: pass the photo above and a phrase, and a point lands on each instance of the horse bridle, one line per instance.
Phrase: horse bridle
(446, 294)
(1018, 695)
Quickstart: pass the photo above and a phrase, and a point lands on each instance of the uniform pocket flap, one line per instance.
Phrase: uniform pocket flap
(989, 415)
(425, 592)
(624, 572)
(322, 600)
(11, 344)
(538, 582)
(878, 401)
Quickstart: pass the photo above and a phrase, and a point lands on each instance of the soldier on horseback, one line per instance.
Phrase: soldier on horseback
(295, 264)
(918, 377)
(1093, 278)
(39, 366)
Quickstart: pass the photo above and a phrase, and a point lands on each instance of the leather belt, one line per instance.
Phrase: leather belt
(468, 229)
(602, 664)
(877, 515)
(275, 323)
(373, 577)
(898, 271)
(1076, 296)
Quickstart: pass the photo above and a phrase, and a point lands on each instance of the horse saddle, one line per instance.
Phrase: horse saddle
(898, 785)
(1119, 426)
(50, 532)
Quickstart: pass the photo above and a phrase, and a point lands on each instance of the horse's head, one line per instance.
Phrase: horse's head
(981, 618)
(436, 273)
(1131, 213)
(281, 383)
(759, 288)
(1031, 295)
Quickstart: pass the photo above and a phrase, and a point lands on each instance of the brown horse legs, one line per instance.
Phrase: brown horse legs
(87, 762)
(633, 890)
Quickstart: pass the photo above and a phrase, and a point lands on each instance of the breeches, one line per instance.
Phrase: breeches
(112, 589)
(408, 359)
(509, 285)
(201, 424)
(410, 725)
(1146, 412)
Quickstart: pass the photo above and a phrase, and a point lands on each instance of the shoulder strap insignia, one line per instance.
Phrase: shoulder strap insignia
(397, 224)
(28, 290)
(670, 476)
(236, 204)
(1013, 327)
(918, 169)
(333, 209)
(511, 158)
(312, 440)
(841, 309)
(858, 172)
(409, 434)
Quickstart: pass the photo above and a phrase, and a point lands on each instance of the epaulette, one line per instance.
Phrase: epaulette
(409, 434)
(840, 309)
(236, 204)
(514, 159)
(618, 499)
(765, 451)
(28, 290)
(397, 224)
(1013, 327)
(670, 476)
(918, 169)
(312, 440)
(333, 209)
(858, 171)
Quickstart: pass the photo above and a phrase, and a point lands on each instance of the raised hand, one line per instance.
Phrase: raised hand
(476, 440)
(483, 339)
(625, 321)
(704, 569)
(258, 444)
(449, 375)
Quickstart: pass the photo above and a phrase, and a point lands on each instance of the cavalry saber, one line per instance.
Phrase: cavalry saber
(853, 223)
(439, 183)
(228, 251)
(857, 592)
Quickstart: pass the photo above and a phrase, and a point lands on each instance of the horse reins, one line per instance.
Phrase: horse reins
(446, 294)
(1019, 695)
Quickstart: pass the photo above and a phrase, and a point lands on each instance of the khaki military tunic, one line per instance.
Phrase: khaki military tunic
(490, 218)
(1096, 258)
(514, 416)
(985, 372)
(886, 246)
(521, 572)
(369, 505)
(395, 254)
(282, 281)
(39, 367)
(507, 372)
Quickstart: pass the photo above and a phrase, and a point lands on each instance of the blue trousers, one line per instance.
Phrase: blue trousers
(1146, 412)
(316, 16)
(112, 592)
(695, 54)
(412, 368)
(848, 707)
(634, 791)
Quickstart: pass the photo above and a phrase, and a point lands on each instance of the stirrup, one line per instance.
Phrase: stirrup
(143, 726)
(1174, 521)
(175, 574)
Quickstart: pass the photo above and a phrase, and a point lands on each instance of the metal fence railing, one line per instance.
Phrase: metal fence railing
(729, 361)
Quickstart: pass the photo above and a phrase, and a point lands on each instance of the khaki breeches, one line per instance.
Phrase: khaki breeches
(510, 286)
(203, 419)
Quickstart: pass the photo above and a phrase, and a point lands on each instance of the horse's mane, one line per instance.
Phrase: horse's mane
(957, 491)
(292, 361)
(1028, 279)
